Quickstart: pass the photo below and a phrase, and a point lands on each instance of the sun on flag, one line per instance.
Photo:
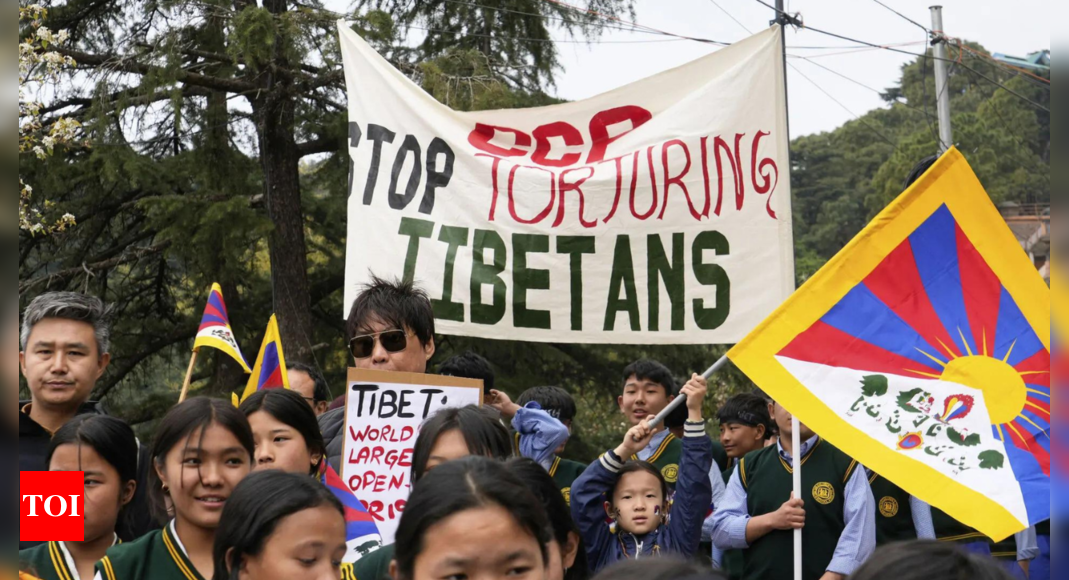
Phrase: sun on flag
(923, 351)
(215, 331)
(270, 370)
(361, 534)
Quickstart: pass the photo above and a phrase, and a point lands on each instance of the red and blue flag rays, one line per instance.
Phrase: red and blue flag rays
(215, 313)
(271, 370)
(359, 523)
(934, 308)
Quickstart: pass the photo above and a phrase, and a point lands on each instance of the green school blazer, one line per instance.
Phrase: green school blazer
(51, 561)
(156, 556)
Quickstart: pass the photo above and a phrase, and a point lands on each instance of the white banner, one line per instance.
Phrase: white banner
(383, 415)
(658, 213)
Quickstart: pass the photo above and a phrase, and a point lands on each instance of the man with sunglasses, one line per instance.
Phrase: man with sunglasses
(390, 328)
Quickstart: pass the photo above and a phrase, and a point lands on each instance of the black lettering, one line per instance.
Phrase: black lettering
(377, 135)
(430, 393)
(361, 389)
(436, 179)
(409, 146)
(354, 141)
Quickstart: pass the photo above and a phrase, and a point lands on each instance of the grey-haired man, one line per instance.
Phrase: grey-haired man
(64, 345)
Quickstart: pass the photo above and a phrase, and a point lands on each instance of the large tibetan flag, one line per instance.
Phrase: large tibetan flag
(361, 534)
(923, 351)
(270, 369)
(215, 331)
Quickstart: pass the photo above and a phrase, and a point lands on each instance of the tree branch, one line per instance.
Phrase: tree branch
(324, 145)
(124, 365)
(129, 256)
(129, 65)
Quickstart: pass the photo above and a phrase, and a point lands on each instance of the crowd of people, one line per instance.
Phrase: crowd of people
(225, 493)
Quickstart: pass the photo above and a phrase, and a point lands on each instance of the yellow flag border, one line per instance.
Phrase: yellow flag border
(985, 227)
(273, 333)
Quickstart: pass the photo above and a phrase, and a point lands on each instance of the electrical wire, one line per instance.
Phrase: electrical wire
(548, 40)
(729, 15)
(635, 24)
(967, 67)
(845, 108)
(862, 85)
(982, 56)
(904, 17)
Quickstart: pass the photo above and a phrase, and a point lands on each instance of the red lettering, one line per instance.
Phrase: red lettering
(572, 138)
(493, 173)
(740, 191)
(766, 164)
(397, 481)
(407, 433)
(678, 180)
(619, 186)
(577, 187)
(599, 128)
(720, 145)
(375, 508)
(653, 185)
(705, 177)
(512, 199)
(481, 136)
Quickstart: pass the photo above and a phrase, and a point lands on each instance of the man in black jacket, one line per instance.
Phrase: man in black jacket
(65, 344)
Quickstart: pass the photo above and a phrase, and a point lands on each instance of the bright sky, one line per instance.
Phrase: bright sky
(1014, 28)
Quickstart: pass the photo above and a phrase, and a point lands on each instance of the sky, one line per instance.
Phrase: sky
(1015, 28)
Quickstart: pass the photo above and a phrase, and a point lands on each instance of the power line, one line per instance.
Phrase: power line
(729, 15)
(913, 54)
(862, 85)
(845, 108)
(547, 40)
(904, 17)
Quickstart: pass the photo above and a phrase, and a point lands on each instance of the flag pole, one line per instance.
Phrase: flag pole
(189, 378)
(679, 401)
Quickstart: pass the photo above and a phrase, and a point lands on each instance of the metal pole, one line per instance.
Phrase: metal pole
(942, 80)
(679, 401)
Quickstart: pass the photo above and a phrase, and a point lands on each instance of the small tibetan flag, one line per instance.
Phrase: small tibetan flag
(270, 369)
(361, 533)
(215, 331)
(923, 351)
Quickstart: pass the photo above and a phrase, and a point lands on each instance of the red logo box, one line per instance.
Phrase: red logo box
(53, 506)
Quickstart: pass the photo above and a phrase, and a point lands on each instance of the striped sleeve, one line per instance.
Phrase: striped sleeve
(694, 429)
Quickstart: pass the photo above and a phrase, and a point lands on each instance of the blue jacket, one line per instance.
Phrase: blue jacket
(680, 536)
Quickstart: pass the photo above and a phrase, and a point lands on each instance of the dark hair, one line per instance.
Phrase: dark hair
(399, 304)
(639, 467)
(651, 370)
(919, 170)
(678, 417)
(485, 436)
(469, 366)
(255, 509)
(541, 484)
(747, 409)
(923, 560)
(553, 400)
(112, 439)
(659, 569)
(321, 394)
(290, 408)
(459, 486)
(180, 423)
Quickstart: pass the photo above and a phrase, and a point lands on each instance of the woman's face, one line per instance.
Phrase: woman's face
(449, 447)
(105, 492)
(201, 473)
(279, 446)
(308, 545)
(495, 547)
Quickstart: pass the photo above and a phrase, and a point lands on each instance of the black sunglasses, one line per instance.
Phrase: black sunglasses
(392, 340)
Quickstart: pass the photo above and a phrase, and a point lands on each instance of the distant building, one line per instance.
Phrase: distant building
(1031, 226)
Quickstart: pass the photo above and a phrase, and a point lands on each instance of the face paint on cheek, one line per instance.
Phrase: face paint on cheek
(657, 510)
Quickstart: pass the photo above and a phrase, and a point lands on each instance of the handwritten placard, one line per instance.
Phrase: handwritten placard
(383, 416)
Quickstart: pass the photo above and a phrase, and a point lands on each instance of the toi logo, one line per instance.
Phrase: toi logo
(53, 505)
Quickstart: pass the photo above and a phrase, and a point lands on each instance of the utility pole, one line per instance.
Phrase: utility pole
(942, 79)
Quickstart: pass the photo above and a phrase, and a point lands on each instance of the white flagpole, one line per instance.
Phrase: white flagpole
(796, 453)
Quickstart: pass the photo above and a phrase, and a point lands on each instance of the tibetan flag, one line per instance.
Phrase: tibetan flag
(270, 369)
(361, 533)
(215, 331)
(923, 351)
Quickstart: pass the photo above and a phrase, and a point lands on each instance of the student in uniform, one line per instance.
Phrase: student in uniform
(542, 418)
(106, 450)
(927, 561)
(1040, 569)
(759, 511)
(648, 388)
(280, 526)
(203, 449)
(503, 526)
(635, 495)
(449, 435)
(567, 557)
(745, 427)
(285, 431)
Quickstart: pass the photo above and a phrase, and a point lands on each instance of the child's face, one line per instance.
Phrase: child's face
(738, 439)
(638, 503)
(784, 421)
(105, 492)
(642, 399)
(560, 450)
